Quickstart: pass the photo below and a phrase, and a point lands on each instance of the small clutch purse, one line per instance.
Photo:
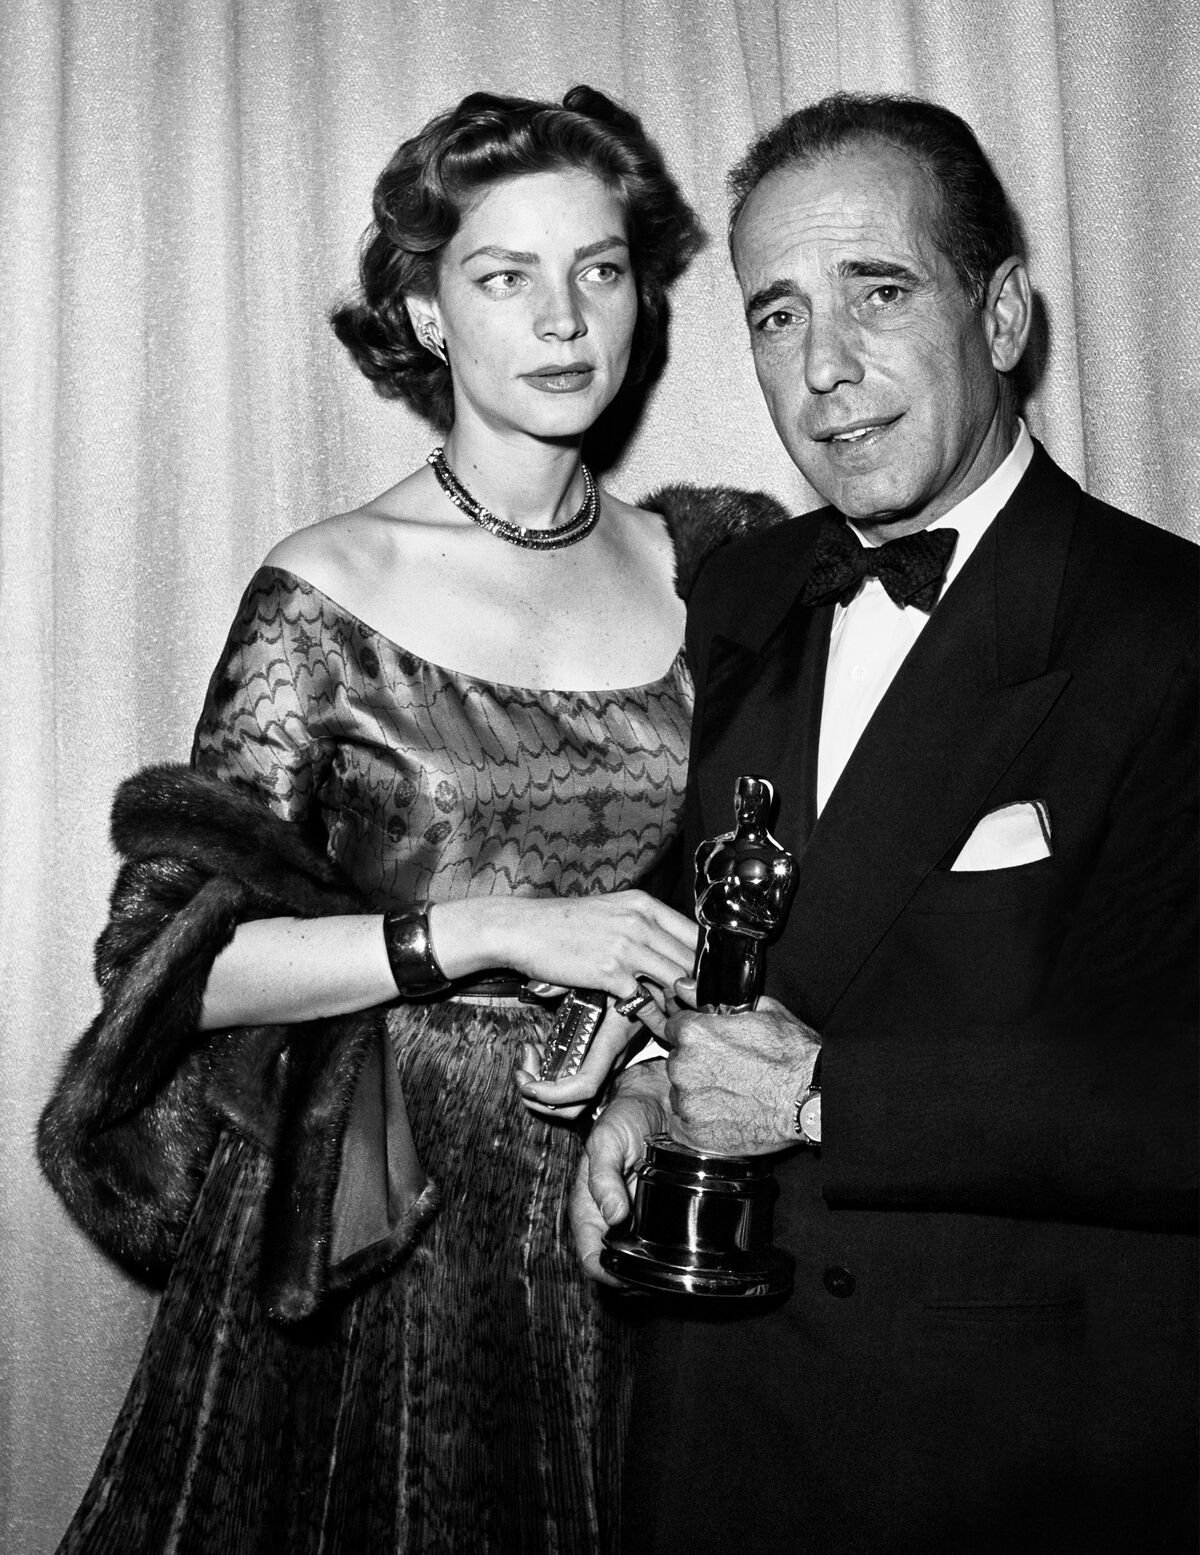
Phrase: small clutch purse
(576, 1022)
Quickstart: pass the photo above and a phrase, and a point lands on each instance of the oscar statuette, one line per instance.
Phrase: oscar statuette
(702, 1223)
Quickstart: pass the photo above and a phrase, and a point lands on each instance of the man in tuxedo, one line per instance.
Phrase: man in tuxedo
(974, 688)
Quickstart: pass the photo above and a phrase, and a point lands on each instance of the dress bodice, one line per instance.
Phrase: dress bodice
(431, 784)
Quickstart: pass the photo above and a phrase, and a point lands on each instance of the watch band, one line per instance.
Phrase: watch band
(808, 1109)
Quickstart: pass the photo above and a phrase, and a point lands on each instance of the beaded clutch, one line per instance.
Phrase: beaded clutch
(576, 1022)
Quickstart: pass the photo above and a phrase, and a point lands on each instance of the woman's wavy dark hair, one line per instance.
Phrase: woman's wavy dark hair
(423, 192)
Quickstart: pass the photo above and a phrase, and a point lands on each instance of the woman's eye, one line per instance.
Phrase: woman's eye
(501, 281)
(605, 273)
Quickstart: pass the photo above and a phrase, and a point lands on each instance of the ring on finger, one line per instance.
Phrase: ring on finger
(637, 1000)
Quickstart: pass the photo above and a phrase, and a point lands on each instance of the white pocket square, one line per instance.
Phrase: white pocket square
(1017, 833)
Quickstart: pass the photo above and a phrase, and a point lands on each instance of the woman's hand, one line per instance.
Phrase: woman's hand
(607, 942)
(568, 1097)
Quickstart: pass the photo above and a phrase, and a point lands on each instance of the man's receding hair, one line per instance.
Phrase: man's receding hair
(974, 225)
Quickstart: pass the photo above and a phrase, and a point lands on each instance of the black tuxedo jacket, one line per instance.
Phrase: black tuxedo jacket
(991, 1333)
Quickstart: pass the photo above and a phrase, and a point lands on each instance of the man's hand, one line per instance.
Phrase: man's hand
(735, 1079)
(600, 1197)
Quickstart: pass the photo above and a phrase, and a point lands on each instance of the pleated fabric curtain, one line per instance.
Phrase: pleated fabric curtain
(182, 186)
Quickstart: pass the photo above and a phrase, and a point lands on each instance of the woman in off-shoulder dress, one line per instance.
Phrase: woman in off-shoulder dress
(445, 742)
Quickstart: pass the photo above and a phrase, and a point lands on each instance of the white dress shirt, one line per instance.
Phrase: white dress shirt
(872, 634)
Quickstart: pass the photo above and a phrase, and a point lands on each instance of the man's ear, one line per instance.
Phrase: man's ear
(1008, 313)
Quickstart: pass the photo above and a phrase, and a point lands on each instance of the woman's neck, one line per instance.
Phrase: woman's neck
(535, 484)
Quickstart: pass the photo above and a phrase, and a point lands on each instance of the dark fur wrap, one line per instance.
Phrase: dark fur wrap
(143, 1096)
(128, 1133)
(701, 519)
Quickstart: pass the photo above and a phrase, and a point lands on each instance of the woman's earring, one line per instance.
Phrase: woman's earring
(432, 341)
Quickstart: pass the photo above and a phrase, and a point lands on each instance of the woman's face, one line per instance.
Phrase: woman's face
(536, 303)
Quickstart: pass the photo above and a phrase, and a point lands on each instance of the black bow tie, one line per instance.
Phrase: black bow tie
(911, 568)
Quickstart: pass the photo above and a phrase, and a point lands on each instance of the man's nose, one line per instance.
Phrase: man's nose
(832, 353)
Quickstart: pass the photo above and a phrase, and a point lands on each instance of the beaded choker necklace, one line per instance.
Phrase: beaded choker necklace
(577, 527)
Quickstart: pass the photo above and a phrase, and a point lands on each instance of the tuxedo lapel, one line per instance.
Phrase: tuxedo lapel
(970, 694)
(759, 689)
(762, 716)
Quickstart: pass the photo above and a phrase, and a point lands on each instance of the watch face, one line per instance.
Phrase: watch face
(809, 1118)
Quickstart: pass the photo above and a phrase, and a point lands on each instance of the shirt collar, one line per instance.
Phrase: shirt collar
(972, 516)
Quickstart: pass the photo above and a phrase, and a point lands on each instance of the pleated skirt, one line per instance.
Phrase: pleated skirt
(473, 1400)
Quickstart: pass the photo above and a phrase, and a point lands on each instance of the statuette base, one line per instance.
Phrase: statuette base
(701, 1226)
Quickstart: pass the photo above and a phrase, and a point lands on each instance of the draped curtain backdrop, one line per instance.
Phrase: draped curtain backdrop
(182, 186)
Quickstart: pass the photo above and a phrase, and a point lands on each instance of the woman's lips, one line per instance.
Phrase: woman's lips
(561, 380)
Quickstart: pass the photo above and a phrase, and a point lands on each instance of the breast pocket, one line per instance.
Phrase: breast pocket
(985, 939)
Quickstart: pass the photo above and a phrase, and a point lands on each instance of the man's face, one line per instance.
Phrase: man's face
(877, 371)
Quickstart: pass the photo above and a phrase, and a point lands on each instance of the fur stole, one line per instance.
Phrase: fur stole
(143, 1096)
(129, 1130)
(701, 519)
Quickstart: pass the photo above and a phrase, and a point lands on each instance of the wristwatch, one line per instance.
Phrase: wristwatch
(808, 1109)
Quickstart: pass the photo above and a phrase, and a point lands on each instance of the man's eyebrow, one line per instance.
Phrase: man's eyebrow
(775, 292)
(875, 269)
(517, 256)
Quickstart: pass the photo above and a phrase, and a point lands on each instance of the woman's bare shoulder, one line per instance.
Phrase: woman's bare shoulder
(329, 544)
(630, 510)
(641, 539)
(346, 547)
(642, 527)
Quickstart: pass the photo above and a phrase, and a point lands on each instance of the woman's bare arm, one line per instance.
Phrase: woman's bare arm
(295, 969)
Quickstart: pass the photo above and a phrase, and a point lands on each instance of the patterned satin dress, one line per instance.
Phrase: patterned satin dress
(487, 1376)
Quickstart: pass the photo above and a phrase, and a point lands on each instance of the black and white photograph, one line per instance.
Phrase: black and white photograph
(584, 582)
